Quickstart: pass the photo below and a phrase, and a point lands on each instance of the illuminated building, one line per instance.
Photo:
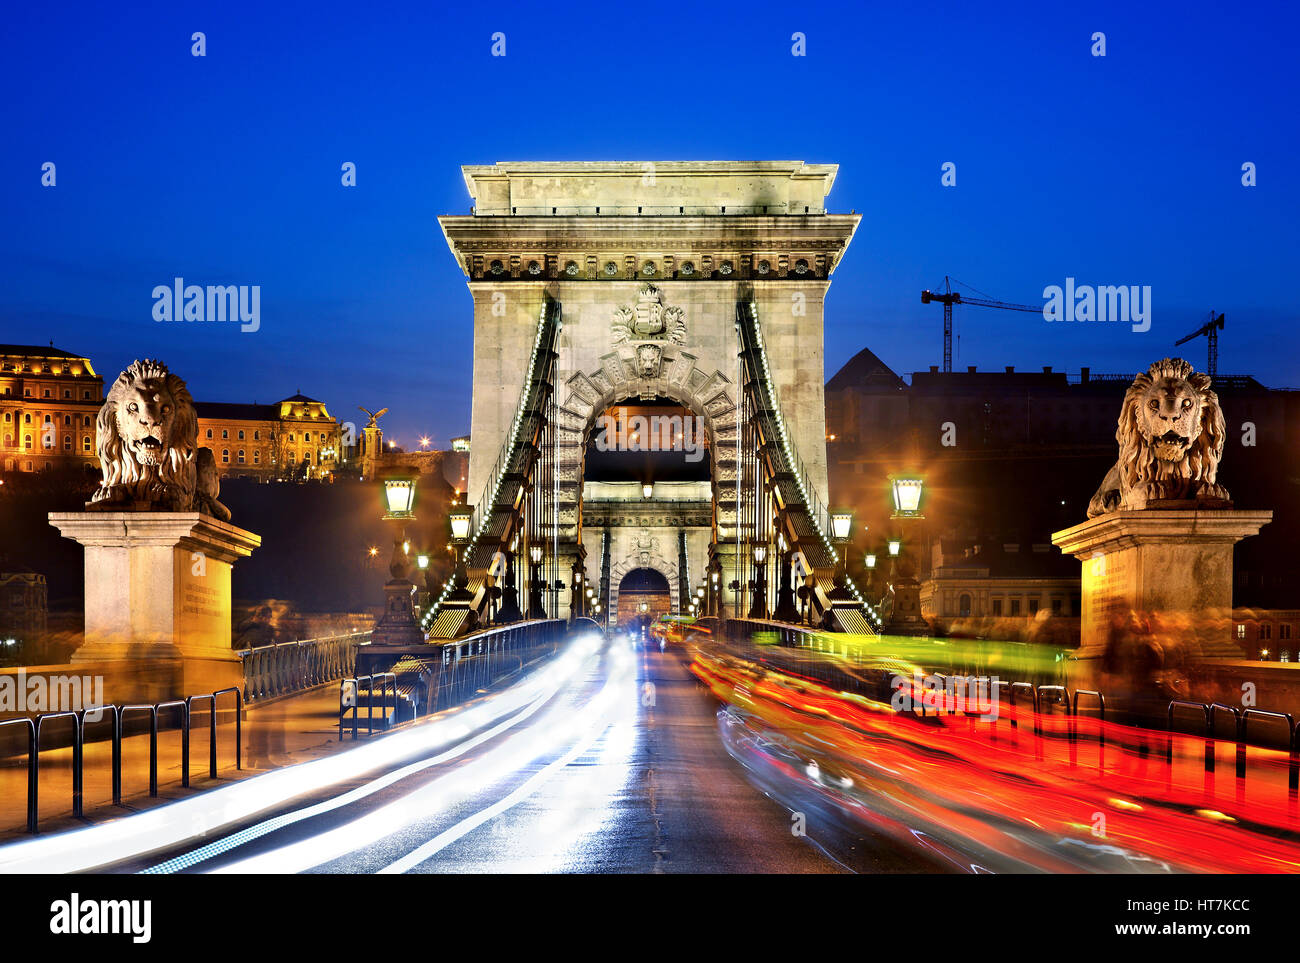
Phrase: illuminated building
(293, 438)
(48, 402)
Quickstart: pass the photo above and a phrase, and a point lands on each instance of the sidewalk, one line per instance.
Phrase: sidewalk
(285, 731)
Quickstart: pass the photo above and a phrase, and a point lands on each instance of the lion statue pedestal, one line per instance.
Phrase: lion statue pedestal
(158, 547)
(1157, 546)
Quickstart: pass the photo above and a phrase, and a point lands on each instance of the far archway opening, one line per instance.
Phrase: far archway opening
(649, 441)
(643, 596)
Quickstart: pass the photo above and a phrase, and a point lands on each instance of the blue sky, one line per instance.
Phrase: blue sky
(225, 169)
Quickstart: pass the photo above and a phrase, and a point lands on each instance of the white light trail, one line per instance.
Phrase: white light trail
(443, 792)
(173, 824)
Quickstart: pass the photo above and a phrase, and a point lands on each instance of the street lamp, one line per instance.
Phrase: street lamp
(399, 494)
(759, 609)
(906, 489)
(398, 625)
(648, 490)
(841, 526)
(509, 610)
(535, 609)
(787, 609)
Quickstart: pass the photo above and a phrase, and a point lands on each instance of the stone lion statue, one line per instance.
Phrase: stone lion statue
(1171, 435)
(147, 439)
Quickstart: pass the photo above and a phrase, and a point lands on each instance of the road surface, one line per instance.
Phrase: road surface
(610, 763)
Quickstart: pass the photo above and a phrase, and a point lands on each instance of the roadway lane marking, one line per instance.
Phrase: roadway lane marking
(361, 792)
(416, 805)
(527, 789)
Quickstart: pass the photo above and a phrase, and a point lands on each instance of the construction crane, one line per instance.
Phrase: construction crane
(948, 297)
(1210, 329)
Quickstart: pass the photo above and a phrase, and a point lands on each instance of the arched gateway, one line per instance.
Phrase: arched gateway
(598, 284)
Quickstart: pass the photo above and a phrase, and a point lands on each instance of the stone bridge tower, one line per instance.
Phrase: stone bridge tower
(648, 262)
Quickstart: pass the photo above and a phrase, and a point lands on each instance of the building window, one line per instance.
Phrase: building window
(1284, 631)
(257, 456)
(67, 421)
(225, 433)
(67, 393)
(1015, 606)
(1265, 631)
(240, 456)
(85, 443)
(85, 421)
(963, 605)
(225, 456)
(241, 434)
(209, 434)
(1056, 606)
(1241, 631)
(67, 443)
(47, 393)
(85, 396)
(257, 436)
(997, 606)
(1033, 606)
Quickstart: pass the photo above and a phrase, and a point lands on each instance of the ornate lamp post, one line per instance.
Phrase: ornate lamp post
(509, 611)
(759, 609)
(841, 528)
(713, 604)
(398, 625)
(786, 608)
(577, 601)
(460, 595)
(906, 489)
(535, 609)
(869, 561)
(422, 597)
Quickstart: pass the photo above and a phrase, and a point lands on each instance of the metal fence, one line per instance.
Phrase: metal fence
(116, 717)
(273, 670)
(452, 672)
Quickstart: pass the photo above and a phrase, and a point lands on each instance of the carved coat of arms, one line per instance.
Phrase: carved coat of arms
(648, 320)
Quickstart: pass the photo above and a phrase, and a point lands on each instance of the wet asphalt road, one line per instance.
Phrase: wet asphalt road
(620, 770)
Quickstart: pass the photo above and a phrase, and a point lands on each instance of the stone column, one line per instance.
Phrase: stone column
(158, 588)
(1171, 562)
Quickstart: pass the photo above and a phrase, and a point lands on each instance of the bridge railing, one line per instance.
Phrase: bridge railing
(548, 326)
(752, 339)
(84, 719)
(287, 667)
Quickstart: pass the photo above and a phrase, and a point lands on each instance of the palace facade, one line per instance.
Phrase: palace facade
(48, 402)
(294, 438)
